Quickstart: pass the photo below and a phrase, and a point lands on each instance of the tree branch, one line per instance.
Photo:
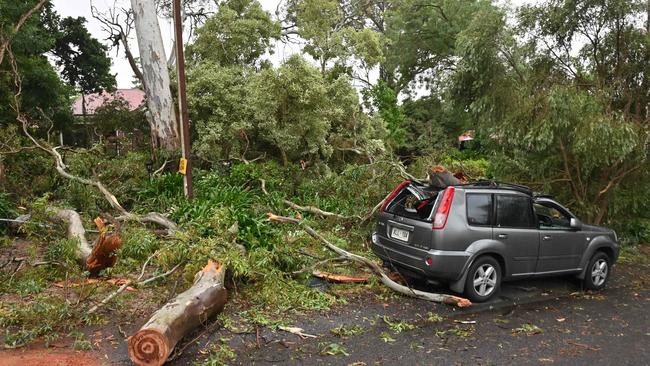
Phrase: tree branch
(374, 267)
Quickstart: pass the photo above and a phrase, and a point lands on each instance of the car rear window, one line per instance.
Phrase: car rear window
(413, 202)
(514, 211)
(479, 209)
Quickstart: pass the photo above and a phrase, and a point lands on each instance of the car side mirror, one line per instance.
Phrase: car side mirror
(575, 224)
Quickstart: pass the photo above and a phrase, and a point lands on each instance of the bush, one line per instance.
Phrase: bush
(6, 211)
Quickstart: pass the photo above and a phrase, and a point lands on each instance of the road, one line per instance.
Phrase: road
(557, 324)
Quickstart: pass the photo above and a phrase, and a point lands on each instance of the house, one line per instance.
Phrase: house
(87, 133)
(134, 98)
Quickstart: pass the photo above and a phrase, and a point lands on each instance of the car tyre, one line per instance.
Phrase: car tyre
(598, 271)
(483, 279)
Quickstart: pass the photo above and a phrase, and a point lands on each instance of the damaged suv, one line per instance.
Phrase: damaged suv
(474, 236)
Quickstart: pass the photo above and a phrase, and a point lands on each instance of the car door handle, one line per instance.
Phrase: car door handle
(503, 236)
(546, 237)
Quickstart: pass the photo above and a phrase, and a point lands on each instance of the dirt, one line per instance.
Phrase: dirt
(40, 356)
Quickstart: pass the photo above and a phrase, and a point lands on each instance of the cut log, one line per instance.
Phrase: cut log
(439, 177)
(154, 342)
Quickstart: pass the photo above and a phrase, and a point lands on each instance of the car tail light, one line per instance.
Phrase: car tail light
(442, 213)
(393, 194)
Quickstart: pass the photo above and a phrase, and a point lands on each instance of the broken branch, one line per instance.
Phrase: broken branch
(311, 209)
(442, 298)
(128, 283)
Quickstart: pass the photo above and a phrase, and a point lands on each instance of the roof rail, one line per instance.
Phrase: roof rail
(490, 183)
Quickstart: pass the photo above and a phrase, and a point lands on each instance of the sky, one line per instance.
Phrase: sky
(120, 66)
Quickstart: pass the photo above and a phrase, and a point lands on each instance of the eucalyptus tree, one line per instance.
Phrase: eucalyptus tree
(162, 116)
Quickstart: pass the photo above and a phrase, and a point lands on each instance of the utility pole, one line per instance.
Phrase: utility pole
(186, 163)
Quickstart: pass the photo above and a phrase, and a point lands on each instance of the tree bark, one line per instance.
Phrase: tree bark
(93, 259)
(153, 343)
(76, 231)
(156, 75)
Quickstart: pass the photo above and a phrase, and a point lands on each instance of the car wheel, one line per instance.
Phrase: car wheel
(597, 271)
(483, 279)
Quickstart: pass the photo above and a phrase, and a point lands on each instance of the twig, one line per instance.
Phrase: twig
(127, 284)
(162, 167)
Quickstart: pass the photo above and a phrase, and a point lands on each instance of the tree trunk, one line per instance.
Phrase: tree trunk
(156, 76)
(76, 231)
(153, 343)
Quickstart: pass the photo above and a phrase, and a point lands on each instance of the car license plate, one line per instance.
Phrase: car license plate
(400, 234)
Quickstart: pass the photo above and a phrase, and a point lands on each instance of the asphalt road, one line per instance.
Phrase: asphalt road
(545, 321)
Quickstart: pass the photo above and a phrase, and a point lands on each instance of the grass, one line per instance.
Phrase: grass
(634, 254)
(24, 322)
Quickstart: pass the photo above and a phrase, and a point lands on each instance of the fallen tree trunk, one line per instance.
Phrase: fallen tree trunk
(154, 342)
(61, 168)
(76, 232)
(385, 279)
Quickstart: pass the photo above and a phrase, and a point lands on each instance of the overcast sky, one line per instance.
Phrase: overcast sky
(120, 66)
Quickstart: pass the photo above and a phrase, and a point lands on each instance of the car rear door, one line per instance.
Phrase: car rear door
(515, 227)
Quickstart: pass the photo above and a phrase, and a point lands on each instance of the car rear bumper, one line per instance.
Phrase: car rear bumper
(444, 265)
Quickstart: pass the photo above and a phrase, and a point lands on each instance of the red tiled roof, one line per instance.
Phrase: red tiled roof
(134, 97)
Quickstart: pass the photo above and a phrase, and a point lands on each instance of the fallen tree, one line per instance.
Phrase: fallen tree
(154, 342)
(374, 267)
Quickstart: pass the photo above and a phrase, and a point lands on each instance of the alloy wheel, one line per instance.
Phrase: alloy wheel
(485, 279)
(599, 272)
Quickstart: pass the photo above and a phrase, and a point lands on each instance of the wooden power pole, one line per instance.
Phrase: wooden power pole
(186, 164)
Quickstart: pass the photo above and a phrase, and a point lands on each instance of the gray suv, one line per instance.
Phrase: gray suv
(474, 236)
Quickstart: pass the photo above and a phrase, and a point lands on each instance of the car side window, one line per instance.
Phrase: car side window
(514, 211)
(551, 218)
(479, 209)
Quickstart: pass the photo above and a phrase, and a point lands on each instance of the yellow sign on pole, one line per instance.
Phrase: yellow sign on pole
(182, 166)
